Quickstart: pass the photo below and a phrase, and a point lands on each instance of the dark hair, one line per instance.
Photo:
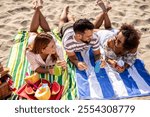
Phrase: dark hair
(132, 36)
(41, 41)
(81, 25)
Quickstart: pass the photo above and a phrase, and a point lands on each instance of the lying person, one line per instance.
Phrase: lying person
(120, 46)
(78, 36)
(43, 52)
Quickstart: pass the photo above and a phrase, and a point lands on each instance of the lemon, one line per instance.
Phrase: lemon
(32, 78)
(43, 93)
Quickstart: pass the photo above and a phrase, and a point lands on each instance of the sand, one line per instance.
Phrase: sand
(16, 15)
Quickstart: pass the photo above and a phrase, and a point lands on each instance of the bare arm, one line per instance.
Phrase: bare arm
(42, 70)
(113, 63)
(73, 58)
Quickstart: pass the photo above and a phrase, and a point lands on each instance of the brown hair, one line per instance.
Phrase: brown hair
(132, 36)
(41, 41)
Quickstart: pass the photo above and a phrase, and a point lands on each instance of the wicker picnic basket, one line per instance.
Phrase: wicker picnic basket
(5, 90)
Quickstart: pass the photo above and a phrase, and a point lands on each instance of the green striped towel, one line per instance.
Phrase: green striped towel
(18, 65)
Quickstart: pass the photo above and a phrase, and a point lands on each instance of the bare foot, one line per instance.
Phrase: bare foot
(70, 17)
(101, 4)
(37, 4)
(65, 13)
(66, 9)
(108, 5)
(40, 3)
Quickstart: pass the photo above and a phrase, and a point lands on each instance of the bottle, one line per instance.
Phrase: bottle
(97, 66)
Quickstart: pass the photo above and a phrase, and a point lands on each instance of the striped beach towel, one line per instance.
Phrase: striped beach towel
(109, 84)
(18, 65)
(104, 84)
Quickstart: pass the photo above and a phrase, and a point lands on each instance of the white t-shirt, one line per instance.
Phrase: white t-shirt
(36, 61)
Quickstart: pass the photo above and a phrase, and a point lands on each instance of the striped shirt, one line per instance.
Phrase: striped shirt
(71, 45)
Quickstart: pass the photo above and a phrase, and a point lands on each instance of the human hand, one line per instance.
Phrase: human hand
(120, 69)
(62, 63)
(82, 66)
(103, 63)
(113, 63)
(51, 71)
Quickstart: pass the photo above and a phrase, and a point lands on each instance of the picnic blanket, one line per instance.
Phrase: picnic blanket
(109, 84)
(19, 65)
(87, 84)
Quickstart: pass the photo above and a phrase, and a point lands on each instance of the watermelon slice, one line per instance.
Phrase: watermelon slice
(29, 90)
(55, 88)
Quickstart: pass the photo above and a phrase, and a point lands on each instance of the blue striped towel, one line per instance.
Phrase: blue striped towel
(109, 84)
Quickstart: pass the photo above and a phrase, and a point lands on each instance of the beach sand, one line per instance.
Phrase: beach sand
(16, 15)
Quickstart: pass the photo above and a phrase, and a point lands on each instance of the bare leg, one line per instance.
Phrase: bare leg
(63, 17)
(38, 18)
(35, 21)
(43, 23)
(102, 17)
(107, 22)
(98, 21)
(70, 18)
